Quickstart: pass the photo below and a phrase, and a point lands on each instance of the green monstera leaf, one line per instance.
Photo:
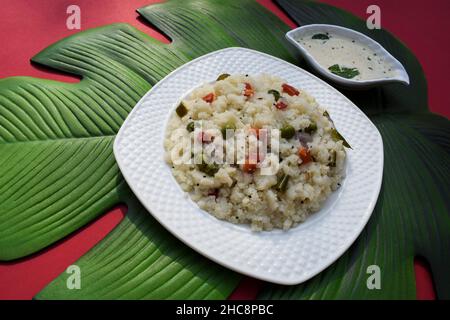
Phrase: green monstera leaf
(411, 218)
(57, 170)
(141, 260)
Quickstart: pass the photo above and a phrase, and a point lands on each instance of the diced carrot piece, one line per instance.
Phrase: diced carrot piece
(305, 155)
(281, 105)
(209, 97)
(248, 91)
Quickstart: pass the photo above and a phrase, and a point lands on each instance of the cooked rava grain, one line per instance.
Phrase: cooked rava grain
(311, 151)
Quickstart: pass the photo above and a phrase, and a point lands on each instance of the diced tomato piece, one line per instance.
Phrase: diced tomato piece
(281, 105)
(290, 90)
(305, 155)
(209, 97)
(248, 92)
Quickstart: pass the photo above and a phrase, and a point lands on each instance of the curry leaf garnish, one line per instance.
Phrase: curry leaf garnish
(181, 110)
(223, 76)
(336, 136)
(275, 93)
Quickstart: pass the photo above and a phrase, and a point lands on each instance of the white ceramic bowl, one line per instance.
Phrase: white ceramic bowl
(285, 257)
(401, 74)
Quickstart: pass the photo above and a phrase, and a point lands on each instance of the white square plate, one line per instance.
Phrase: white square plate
(284, 257)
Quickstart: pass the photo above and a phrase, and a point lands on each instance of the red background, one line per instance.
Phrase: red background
(29, 26)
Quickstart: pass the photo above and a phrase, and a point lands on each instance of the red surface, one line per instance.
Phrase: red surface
(30, 26)
(247, 290)
(23, 278)
(424, 280)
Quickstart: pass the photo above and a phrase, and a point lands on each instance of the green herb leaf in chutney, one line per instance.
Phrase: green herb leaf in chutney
(320, 36)
(344, 72)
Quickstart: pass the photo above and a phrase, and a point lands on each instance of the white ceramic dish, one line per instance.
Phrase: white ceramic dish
(401, 74)
(281, 257)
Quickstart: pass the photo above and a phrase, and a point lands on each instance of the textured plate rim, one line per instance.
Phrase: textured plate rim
(277, 280)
